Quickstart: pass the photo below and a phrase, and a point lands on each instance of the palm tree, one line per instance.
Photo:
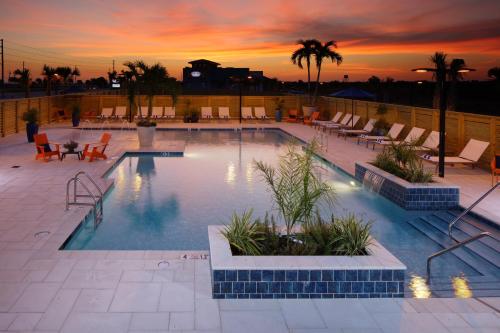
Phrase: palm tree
(131, 75)
(152, 79)
(441, 65)
(49, 73)
(324, 51)
(64, 72)
(305, 52)
(23, 76)
(75, 73)
(494, 73)
(454, 75)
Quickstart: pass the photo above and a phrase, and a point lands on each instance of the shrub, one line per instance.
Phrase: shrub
(31, 116)
(402, 160)
(146, 123)
(350, 236)
(243, 234)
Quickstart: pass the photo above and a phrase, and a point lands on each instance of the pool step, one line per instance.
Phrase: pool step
(431, 227)
(480, 286)
(487, 248)
(477, 222)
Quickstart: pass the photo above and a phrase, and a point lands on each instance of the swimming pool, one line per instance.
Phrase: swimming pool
(166, 203)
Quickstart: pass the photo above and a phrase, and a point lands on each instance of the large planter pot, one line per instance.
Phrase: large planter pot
(277, 116)
(308, 110)
(31, 130)
(379, 274)
(146, 135)
(410, 196)
(75, 120)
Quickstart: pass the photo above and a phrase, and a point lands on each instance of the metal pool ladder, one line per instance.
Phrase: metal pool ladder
(465, 241)
(97, 199)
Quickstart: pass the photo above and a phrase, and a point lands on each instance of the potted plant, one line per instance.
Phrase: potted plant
(190, 115)
(278, 112)
(71, 146)
(146, 132)
(31, 119)
(75, 115)
(381, 126)
(151, 79)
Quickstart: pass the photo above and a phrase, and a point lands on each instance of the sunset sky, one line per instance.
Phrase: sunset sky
(383, 38)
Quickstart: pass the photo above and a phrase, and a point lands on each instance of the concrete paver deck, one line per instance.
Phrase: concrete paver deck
(44, 289)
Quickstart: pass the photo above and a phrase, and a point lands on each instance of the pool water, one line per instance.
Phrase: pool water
(166, 203)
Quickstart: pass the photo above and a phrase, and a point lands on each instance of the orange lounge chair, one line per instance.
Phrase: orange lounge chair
(314, 116)
(96, 150)
(43, 148)
(495, 169)
(292, 116)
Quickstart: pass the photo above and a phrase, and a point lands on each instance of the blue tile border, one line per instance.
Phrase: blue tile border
(258, 284)
(412, 197)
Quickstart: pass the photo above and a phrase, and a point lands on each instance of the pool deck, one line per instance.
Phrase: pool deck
(43, 289)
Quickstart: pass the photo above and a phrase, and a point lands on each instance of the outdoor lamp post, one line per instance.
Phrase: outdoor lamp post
(240, 80)
(441, 81)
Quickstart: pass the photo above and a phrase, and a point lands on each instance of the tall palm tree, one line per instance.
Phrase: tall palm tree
(454, 75)
(305, 52)
(494, 73)
(49, 73)
(75, 73)
(441, 65)
(324, 51)
(23, 76)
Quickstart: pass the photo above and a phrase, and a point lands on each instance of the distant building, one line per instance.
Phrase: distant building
(208, 75)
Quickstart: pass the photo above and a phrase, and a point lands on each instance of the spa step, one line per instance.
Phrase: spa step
(485, 247)
(479, 286)
(466, 255)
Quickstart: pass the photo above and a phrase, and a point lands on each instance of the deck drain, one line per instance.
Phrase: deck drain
(41, 233)
(163, 263)
(15, 166)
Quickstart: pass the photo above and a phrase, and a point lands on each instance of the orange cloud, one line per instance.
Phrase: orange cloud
(375, 38)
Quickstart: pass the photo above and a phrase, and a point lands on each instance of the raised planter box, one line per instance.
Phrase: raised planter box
(379, 274)
(427, 196)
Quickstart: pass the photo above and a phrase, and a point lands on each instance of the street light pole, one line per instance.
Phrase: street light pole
(442, 125)
(441, 81)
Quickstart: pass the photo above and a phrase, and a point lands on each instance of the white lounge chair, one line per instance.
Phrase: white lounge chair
(121, 112)
(246, 112)
(366, 130)
(142, 112)
(106, 113)
(260, 112)
(223, 112)
(471, 153)
(431, 143)
(343, 123)
(414, 135)
(394, 132)
(157, 112)
(335, 119)
(169, 112)
(206, 112)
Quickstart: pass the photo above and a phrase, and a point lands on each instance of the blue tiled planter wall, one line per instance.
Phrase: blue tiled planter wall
(307, 283)
(415, 198)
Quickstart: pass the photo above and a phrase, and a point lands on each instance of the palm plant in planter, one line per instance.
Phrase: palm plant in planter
(297, 191)
(31, 119)
(75, 115)
(151, 79)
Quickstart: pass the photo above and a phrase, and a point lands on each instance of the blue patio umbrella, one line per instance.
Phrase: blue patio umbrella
(353, 93)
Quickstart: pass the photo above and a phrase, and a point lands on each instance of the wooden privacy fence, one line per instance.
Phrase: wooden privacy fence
(460, 126)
